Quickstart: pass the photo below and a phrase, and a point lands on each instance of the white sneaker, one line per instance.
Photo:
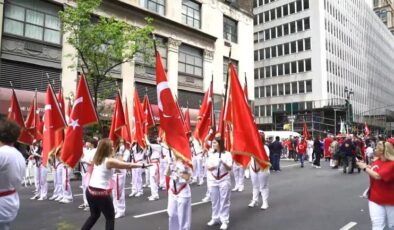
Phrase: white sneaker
(264, 206)
(35, 197)
(201, 183)
(234, 189)
(241, 189)
(52, 197)
(86, 209)
(252, 204)
(119, 215)
(65, 201)
(318, 167)
(152, 198)
(81, 206)
(59, 198)
(206, 199)
(224, 226)
(132, 194)
(138, 194)
(43, 198)
(212, 222)
(145, 185)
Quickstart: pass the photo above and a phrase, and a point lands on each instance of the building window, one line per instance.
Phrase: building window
(230, 30)
(301, 87)
(279, 31)
(287, 68)
(267, 72)
(225, 67)
(256, 111)
(273, 51)
(256, 55)
(280, 69)
(268, 91)
(269, 110)
(267, 34)
(262, 91)
(261, 75)
(157, 6)
(308, 65)
(266, 16)
(299, 25)
(307, 43)
(279, 12)
(309, 86)
(280, 50)
(292, 7)
(190, 60)
(256, 74)
(274, 72)
(256, 92)
(274, 90)
(267, 53)
(262, 54)
(31, 23)
(272, 12)
(293, 47)
(191, 13)
(262, 110)
(273, 33)
(293, 67)
(285, 29)
(292, 27)
(280, 89)
(287, 88)
(294, 87)
(300, 44)
(261, 18)
(287, 48)
(299, 5)
(307, 25)
(306, 4)
(301, 66)
(285, 10)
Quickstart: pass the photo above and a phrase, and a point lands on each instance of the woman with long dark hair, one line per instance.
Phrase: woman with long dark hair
(219, 165)
(99, 190)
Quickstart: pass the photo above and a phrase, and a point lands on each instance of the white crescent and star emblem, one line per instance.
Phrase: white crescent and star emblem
(160, 87)
(74, 123)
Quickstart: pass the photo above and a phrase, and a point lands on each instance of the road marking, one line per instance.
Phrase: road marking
(290, 165)
(80, 194)
(165, 210)
(349, 226)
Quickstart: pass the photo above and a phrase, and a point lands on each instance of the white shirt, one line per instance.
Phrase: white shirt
(196, 147)
(369, 152)
(88, 155)
(176, 169)
(12, 170)
(101, 176)
(213, 161)
(156, 152)
(253, 163)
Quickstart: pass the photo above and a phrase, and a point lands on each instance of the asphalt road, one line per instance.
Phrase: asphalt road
(300, 199)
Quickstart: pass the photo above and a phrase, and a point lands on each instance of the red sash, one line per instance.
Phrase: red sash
(99, 192)
(220, 177)
(179, 189)
(6, 193)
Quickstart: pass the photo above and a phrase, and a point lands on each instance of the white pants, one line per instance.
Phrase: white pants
(179, 211)
(154, 179)
(163, 167)
(220, 198)
(57, 181)
(198, 169)
(147, 176)
(379, 214)
(41, 181)
(238, 172)
(67, 193)
(83, 174)
(310, 153)
(118, 193)
(137, 180)
(260, 185)
(29, 173)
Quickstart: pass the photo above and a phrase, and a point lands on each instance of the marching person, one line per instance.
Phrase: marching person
(198, 173)
(86, 161)
(12, 169)
(239, 175)
(179, 196)
(259, 178)
(381, 175)
(276, 150)
(99, 190)
(42, 172)
(317, 152)
(67, 196)
(57, 178)
(154, 150)
(301, 151)
(219, 165)
(136, 173)
(119, 178)
(310, 149)
(163, 163)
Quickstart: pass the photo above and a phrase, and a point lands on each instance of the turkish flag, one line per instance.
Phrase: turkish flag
(205, 117)
(366, 129)
(305, 131)
(53, 121)
(224, 130)
(246, 140)
(68, 110)
(82, 113)
(15, 114)
(126, 135)
(33, 122)
(118, 121)
(149, 121)
(187, 122)
(138, 120)
(59, 135)
(171, 123)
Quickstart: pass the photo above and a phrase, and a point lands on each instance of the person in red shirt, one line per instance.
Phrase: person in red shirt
(381, 195)
(301, 150)
(327, 143)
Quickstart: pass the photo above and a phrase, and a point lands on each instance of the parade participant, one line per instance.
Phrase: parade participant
(86, 161)
(347, 149)
(198, 173)
(301, 150)
(310, 149)
(163, 163)
(57, 178)
(317, 152)
(334, 147)
(154, 151)
(67, 196)
(136, 173)
(29, 172)
(42, 172)
(12, 169)
(119, 178)
(327, 143)
(219, 165)
(276, 149)
(179, 196)
(239, 174)
(99, 190)
(381, 196)
(259, 178)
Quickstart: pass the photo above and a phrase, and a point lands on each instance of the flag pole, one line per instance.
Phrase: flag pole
(226, 91)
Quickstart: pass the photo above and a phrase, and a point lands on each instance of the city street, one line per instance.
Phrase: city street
(307, 198)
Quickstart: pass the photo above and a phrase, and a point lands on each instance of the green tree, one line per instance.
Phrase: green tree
(102, 43)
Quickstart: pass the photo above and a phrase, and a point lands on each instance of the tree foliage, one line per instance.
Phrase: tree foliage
(102, 43)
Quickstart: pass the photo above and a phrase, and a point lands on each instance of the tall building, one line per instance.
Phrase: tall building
(385, 11)
(310, 56)
(195, 38)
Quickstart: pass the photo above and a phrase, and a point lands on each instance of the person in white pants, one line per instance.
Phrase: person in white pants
(119, 177)
(57, 179)
(29, 172)
(66, 188)
(310, 150)
(198, 173)
(88, 154)
(259, 178)
(154, 152)
(163, 164)
(179, 207)
(219, 165)
(138, 157)
(239, 174)
(42, 172)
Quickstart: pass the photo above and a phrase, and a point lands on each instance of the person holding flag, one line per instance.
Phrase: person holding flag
(136, 173)
(41, 173)
(119, 177)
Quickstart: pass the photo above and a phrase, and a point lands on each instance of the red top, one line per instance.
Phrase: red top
(327, 143)
(289, 144)
(302, 147)
(381, 191)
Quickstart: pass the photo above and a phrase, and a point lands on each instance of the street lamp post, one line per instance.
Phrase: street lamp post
(348, 93)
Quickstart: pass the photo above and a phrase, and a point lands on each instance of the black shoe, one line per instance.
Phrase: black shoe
(335, 167)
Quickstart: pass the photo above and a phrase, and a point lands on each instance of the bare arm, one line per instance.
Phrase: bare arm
(117, 164)
(368, 170)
